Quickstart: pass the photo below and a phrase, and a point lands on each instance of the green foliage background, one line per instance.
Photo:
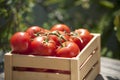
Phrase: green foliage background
(98, 16)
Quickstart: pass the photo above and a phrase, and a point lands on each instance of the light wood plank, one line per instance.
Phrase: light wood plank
(41, 62)
(39, 76)
(8, 66)
(75, 69)
(92, 75)
(84, 69)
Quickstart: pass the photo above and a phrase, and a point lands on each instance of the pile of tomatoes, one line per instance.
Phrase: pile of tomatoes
(59, 41)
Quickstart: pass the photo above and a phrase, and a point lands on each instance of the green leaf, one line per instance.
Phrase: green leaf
(107, 4)
(50, 2)
(118, 33)
(117, 26)
(116, 21)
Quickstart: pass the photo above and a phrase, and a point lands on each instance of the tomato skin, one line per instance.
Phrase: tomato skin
(64, 36)
(77, 40)
(34, 30)
(61, 27)
(20, 43)
(85, 35)
(55, 38)
(43, 46)
(69, 50)
(59, 37)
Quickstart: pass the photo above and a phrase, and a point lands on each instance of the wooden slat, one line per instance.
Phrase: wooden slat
(75, 69)
(99, 47)
(41, 62)
(8, 66)
(84, 69)
(17, 75)
(88, 49)
(93, 74)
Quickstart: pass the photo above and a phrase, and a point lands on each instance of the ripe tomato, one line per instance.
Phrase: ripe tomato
(85, 35)
(61, 27)
(34, 30)
(64, 36)
(55, 38)
(76, 39)
(69, 49)
(20, 43)
(43, 46)
(59, 37)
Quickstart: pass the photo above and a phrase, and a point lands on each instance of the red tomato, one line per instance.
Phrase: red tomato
(43, 46)
(61, 27)
(20, 43)
(77, 40)
(64, 36)
(55, 38)
(34, 30)
(59, 37)
(69, 49)
(85, 35)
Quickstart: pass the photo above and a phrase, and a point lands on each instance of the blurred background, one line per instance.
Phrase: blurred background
(98, 16)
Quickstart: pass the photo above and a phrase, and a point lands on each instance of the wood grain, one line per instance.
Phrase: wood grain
(8, 66)
(110, 70)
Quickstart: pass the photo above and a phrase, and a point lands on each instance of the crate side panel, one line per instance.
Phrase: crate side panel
(91, 60)
(88, 49)
(75, 69)
(93, 74)
(8, 66)
(99, 46)
(17, 75)
(41, 62)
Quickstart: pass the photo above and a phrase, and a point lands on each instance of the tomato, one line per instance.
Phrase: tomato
(59, 37)
(68, 49)
(20, 43)
(43, 46)
(85, 35)
(34, 30)
(55, 38)
(64, 36)
(60, 27)
(76, 39)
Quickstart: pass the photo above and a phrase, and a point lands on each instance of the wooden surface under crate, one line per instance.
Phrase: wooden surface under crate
(85, 66)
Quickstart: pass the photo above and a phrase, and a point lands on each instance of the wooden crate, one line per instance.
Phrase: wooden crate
(86, 66)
